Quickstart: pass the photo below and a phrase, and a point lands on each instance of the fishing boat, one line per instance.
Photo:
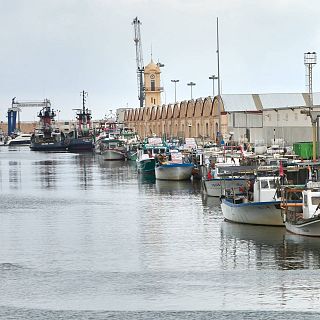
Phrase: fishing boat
(259, 204)
(132, 150)
(81, 139)
(147, 154)
(109, 144)
(22, 139)
(132, 142)
(302, 216)
(226, 176)
(112, 149)
(47, 137)
(173, 167)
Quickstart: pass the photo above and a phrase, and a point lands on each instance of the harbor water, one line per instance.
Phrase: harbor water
(83, 238)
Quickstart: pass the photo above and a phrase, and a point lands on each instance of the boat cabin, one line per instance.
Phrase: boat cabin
(311, 200)
(265, 189)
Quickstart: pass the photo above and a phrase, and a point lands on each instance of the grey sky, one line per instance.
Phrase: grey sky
(56, 48)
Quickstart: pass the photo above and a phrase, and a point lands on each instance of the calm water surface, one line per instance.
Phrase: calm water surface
(85, 239)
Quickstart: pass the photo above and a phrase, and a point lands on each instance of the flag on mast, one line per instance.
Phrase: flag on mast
(281, 172)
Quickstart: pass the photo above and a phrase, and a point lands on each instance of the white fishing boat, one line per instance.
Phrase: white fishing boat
(221, 178)
(260, 204)
(173, 167)
(303, 216)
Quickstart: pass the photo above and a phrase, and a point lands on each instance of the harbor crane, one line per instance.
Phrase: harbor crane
(139, 60)
(16, 108)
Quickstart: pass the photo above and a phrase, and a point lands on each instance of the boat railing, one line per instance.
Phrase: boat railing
(291, 202)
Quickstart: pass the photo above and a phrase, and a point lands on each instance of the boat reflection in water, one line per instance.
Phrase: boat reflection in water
(146, 178)
(46, 173)
(266, 247)
(171, 187)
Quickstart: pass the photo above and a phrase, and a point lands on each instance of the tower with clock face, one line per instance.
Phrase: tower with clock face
(152, 85)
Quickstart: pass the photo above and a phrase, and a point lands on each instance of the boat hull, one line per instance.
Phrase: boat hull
(259, 213)
(310, 227)
(80, 145)
(146, 165)
(19, 143)
(132, 156)
(54, 146)
(217, 187)
(175, 171)
(112, 155)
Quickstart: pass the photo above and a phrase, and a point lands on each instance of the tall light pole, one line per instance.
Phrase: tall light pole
(213, 77)
(191, 84)
(219, 92)
(310, 60)
(175, 89)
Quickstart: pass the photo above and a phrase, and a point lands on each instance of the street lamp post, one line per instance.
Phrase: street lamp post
(175, 89)
(213, 77)
(191, 84)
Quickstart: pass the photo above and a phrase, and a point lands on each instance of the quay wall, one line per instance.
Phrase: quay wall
(25, 126)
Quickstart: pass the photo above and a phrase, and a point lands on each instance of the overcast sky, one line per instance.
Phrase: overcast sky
(56, 48)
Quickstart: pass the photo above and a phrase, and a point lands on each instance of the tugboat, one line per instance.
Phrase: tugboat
(81, 139)
(47, 137)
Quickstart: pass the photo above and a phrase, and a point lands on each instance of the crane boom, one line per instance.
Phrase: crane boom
(139, 59)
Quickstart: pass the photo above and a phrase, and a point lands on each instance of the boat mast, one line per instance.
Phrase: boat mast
(84, 95)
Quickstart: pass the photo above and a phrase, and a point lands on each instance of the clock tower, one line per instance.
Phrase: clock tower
(152, 85)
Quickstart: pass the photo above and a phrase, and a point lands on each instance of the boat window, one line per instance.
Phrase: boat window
(272, 184)
(315, 201)
(305, 200)
(264, 184)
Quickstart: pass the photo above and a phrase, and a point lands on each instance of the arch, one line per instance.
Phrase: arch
(163, 112)
(198, 108)
(146, 114)
(153, 113)
(158, 113)
(215, 107)
(183, 109)
(126, 115)
(169, 112)
(136, 114)
(140, 112)
(207, 107)
(190, 109)
(176, 110)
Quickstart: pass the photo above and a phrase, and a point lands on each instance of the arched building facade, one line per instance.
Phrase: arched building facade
(250, 117)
